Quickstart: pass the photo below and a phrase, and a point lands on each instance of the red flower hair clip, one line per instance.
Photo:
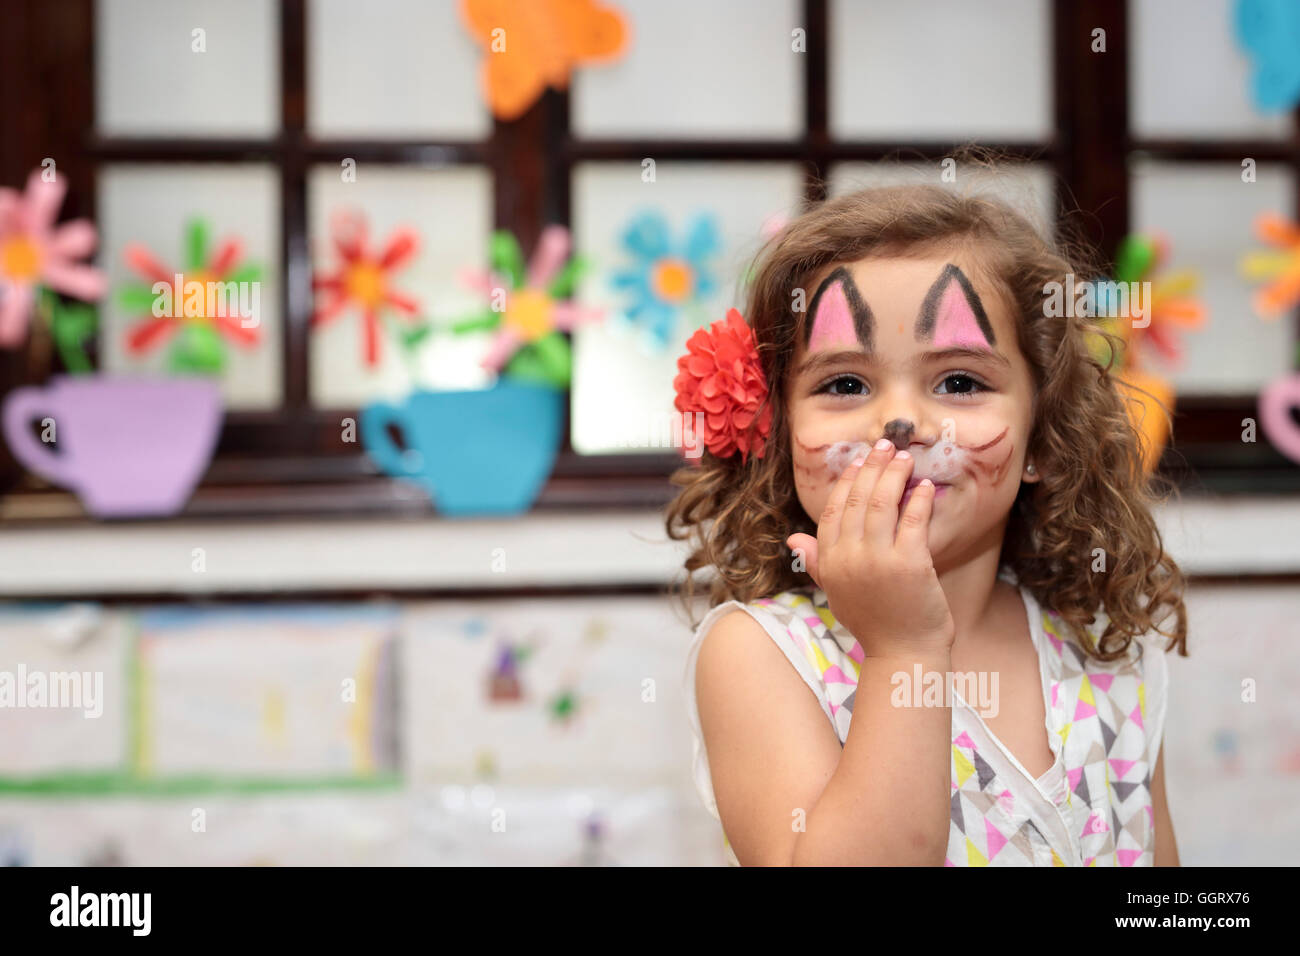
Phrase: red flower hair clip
(720, 380)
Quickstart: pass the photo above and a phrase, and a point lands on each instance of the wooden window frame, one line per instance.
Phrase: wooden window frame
(293, 459)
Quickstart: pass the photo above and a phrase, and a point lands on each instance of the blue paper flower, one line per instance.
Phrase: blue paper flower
(666, 276)
(1269, 30)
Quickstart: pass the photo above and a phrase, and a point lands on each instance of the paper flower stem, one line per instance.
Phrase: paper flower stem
(70, 327)
(547, 361)
(410, 340)
(198, 351)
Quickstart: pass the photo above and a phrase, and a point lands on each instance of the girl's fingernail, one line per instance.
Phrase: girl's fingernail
(903, 454)
(883, 444)
(927, 483)
(859, 462)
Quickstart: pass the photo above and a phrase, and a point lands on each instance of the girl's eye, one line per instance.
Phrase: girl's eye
(843, 385)
(959, 383)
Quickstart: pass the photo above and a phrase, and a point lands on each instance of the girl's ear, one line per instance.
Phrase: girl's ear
(1030, 473)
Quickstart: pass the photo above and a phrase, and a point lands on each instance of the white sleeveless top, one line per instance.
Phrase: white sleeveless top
(1104, 725)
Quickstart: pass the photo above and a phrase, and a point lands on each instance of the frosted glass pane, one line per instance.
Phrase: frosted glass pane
(151, 205)
(1188, 75)
(719, 70)
(451, 210)
(1028, 188)
(622, 395)
(392, 69)
(943, 69)
(199, 68)
(1208, 213)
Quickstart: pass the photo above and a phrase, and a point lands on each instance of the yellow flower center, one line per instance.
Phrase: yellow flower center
(20, 259)
(672, 280)
(365, 283)
(195, 308)
(528, 314)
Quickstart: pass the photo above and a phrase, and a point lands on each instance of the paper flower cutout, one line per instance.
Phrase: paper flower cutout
(1281, 265)
(1151, 322)
(721, 376)
(667, 277)
(532, 44)
(1269, 31)
(363, 278)
(210, 301)
(527, 313)
(1278, 403)
(33, 252)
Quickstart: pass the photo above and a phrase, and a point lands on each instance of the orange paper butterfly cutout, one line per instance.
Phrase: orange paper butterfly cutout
(533, 44)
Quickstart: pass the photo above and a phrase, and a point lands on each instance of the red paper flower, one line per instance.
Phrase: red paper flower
(720, 376)
(363, 278)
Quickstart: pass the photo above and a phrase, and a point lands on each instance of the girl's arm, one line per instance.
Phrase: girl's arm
(1166, 848)
(787, 793)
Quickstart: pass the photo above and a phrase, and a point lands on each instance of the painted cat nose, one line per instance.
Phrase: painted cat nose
(900, 432)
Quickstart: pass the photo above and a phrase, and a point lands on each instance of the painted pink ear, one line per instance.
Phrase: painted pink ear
(955, 326)
(840, 316)
(1275, 404)
(833, 322)
(952, 315)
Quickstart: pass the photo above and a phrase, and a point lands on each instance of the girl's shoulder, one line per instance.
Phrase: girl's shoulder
(785, 614)
(1144, 651)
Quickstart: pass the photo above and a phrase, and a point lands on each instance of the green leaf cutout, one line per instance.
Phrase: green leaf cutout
(506, 257)
(476, 323)
(198, 350)
(1135, 258)
(548, 361)
(196, 245)
(566, 280)
(136, 299)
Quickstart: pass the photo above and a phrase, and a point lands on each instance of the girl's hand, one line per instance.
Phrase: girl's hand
(880, 585)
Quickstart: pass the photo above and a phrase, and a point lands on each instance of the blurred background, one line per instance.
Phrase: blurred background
(359, 560)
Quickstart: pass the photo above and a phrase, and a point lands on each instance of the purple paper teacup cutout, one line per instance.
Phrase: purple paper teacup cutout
(128, 447)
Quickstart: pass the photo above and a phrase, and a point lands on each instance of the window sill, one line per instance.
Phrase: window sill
(549, 550)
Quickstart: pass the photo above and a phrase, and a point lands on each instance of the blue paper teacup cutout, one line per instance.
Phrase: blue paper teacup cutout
(481, 452)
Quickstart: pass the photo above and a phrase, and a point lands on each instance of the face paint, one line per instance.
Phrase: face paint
(941, 462)
(840, 316)
(952, 315)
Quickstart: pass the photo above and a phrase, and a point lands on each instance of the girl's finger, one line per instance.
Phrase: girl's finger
(803, 550)
(828, 526)
(855, 505)
(882, 507)
(914, 522)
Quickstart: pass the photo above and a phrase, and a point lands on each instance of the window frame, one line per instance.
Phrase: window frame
(293, 459)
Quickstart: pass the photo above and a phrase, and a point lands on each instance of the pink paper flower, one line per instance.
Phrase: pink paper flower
(532, 309)
(34, 252)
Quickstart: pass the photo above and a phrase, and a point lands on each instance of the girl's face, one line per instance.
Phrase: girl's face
(922, 352)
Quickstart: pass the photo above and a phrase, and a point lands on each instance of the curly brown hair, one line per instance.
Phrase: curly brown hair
(1094, 492)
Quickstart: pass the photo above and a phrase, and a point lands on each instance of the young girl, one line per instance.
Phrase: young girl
(936, 579)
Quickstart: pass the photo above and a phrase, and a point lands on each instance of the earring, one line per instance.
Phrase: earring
(1030, 468)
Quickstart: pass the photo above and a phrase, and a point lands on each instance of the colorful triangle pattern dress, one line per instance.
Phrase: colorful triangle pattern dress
(1104, 725)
